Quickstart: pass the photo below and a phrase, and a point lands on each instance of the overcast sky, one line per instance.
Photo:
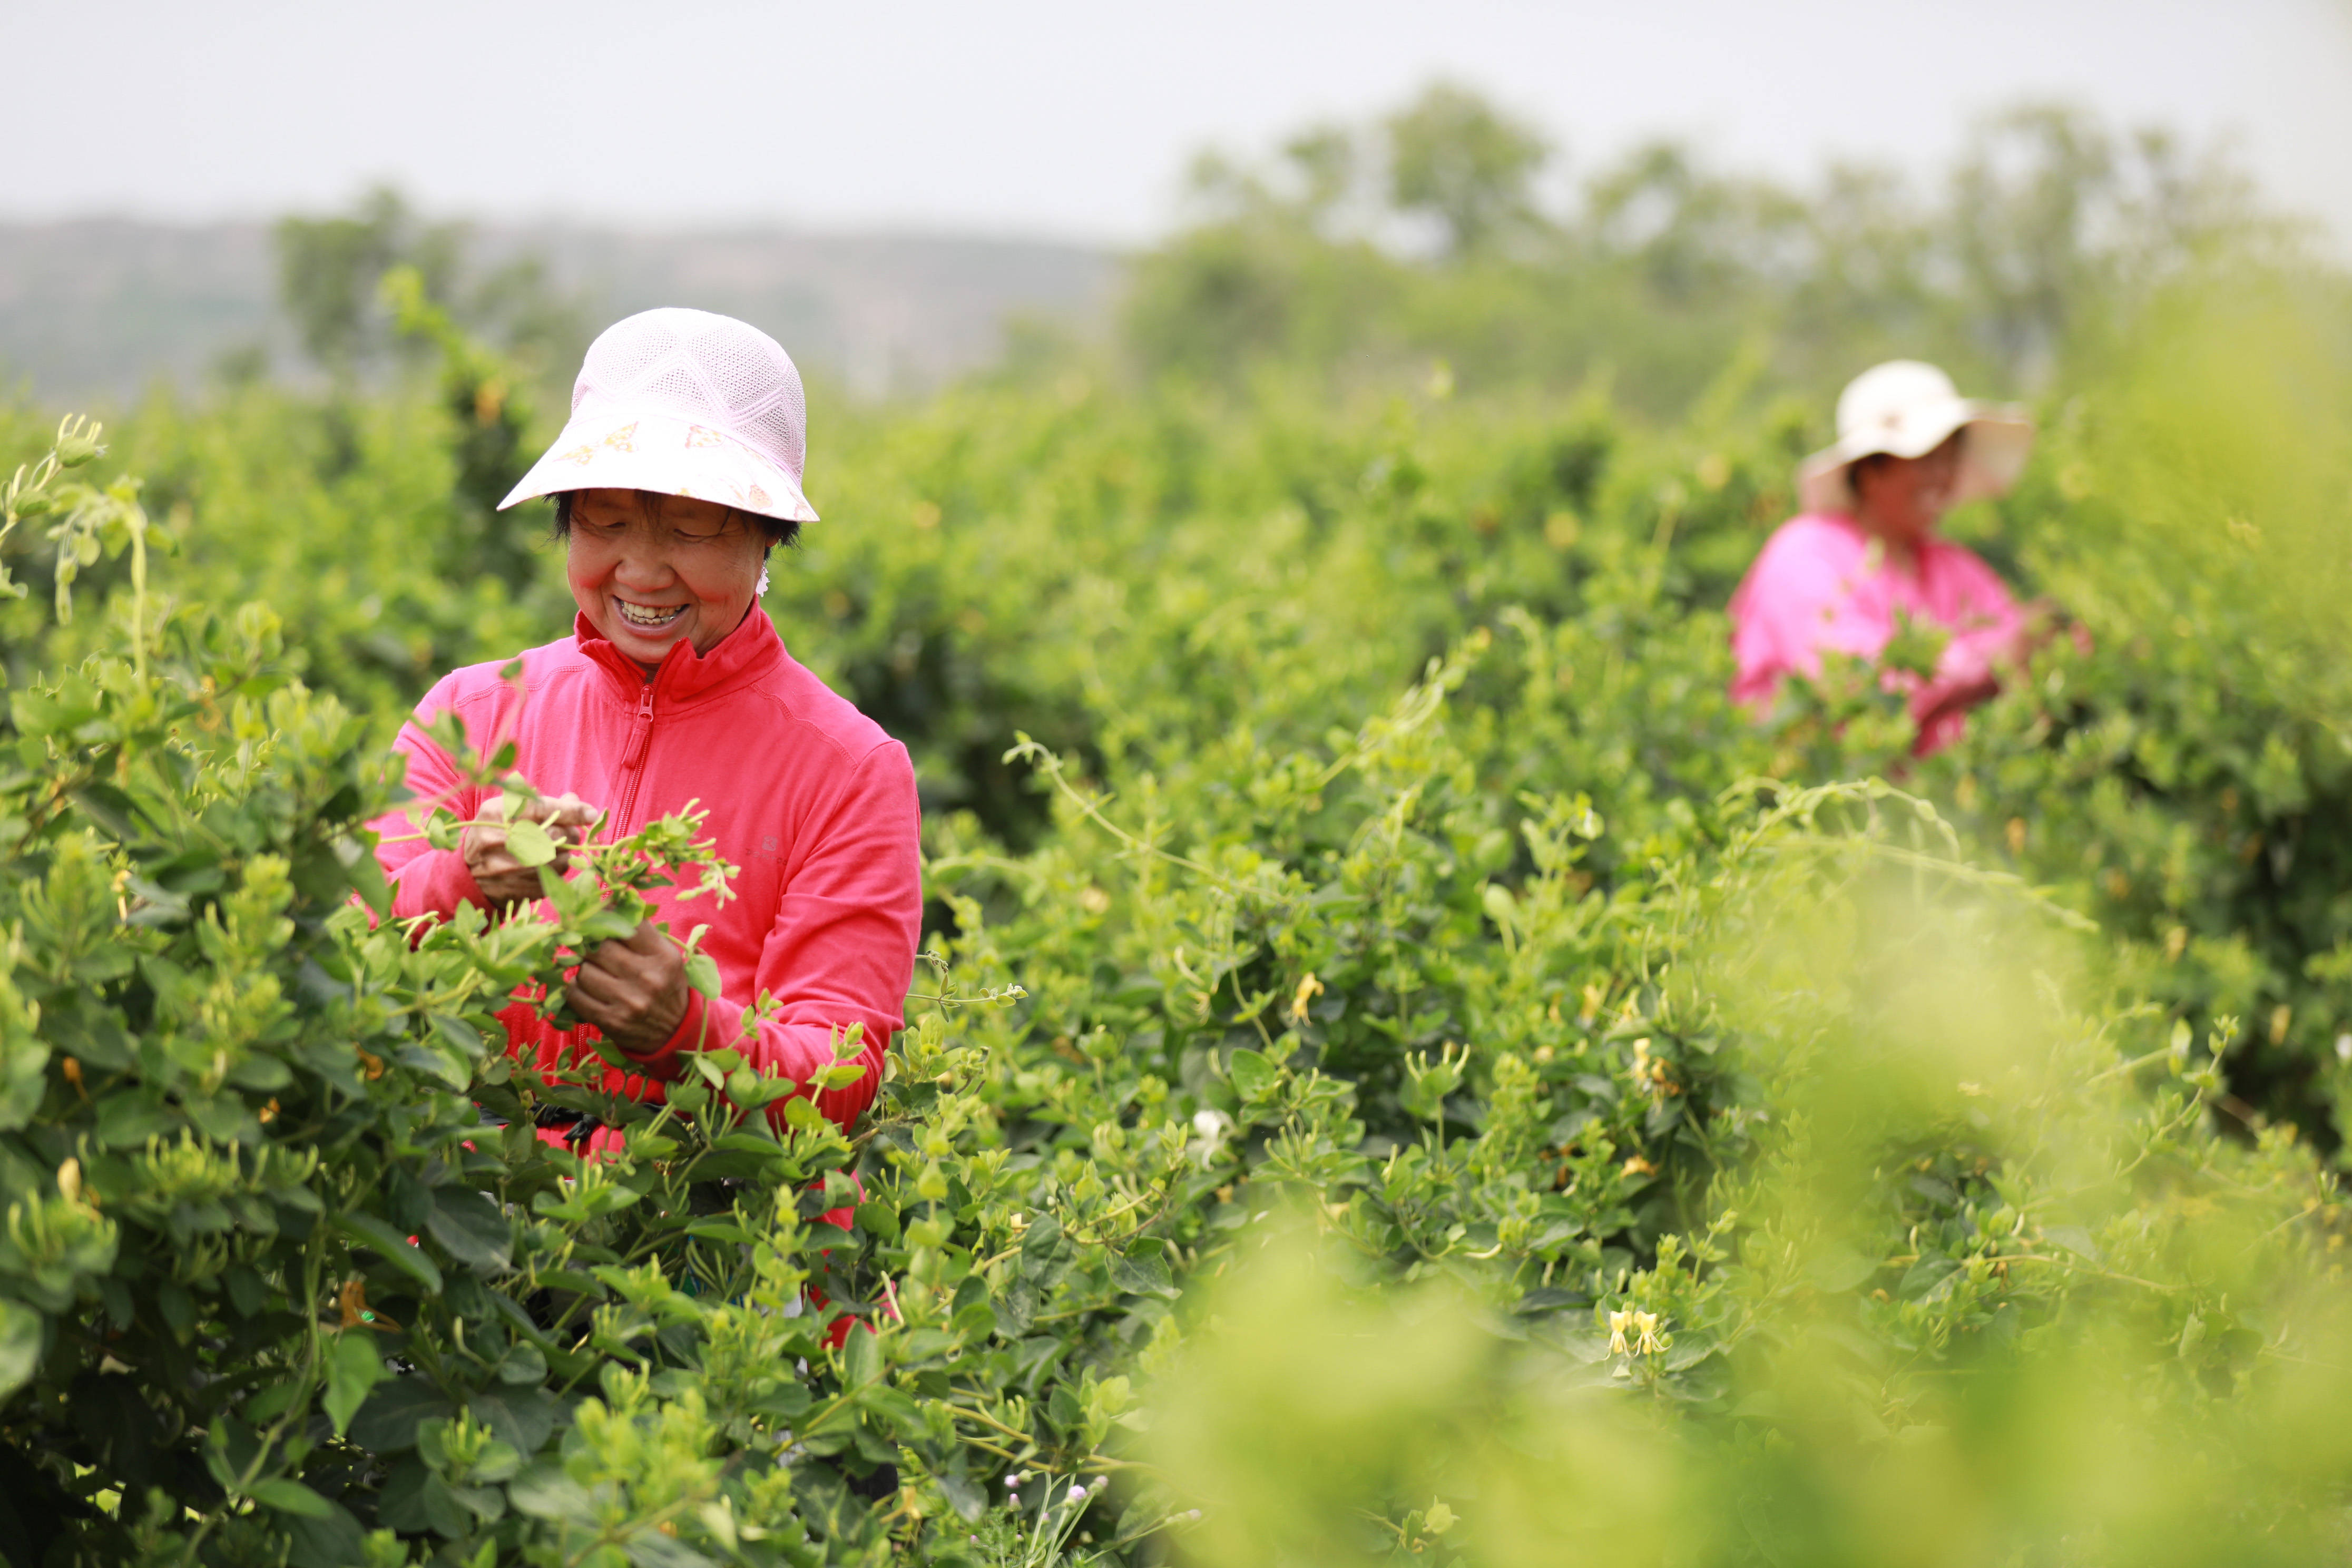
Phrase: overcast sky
(1069, 118)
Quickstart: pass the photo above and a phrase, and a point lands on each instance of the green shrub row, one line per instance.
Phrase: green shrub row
(1403, 1068)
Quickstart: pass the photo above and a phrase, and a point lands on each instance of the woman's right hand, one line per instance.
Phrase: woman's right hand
(2037, 623)
(505, 880)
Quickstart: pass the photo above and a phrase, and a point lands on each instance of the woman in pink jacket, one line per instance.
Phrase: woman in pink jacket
(1864, 553)
(679, 471)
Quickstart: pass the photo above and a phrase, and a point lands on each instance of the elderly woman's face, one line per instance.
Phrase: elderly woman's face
(1903, 499)
(653, 570)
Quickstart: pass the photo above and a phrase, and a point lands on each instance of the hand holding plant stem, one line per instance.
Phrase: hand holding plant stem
(603, 958)
(633, 989)
(504, 855)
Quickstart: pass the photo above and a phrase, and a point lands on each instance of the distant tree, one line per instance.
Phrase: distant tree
(330, 273)
(2053, 222)
(1690, 232)
(1328, 165)
(2024, 226)
(1871, 281)
(1455, 158)
(376, 287)
(1668, 271)
(329, 269)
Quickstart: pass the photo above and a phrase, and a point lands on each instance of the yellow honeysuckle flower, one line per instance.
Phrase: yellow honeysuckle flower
(1309, 989)
(1618, 1323)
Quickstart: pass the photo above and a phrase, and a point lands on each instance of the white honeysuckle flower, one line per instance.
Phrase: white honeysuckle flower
(1211, 1125)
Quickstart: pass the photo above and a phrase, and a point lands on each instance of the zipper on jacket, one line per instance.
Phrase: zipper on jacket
(632, 763)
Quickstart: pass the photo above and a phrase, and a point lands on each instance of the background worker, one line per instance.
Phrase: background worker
(1864, 554)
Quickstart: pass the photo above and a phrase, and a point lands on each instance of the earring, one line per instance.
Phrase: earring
(762, 591)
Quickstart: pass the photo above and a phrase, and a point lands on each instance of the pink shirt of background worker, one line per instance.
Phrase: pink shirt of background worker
(1864, 556)
(1823, 585)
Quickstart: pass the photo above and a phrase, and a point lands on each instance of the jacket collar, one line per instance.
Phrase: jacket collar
(751, 649)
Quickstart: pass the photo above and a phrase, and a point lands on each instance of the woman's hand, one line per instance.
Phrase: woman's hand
(2037, 623)
(633, 991)
(506, 881)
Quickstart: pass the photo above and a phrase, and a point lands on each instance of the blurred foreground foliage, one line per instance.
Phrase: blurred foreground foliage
(1404, 1072)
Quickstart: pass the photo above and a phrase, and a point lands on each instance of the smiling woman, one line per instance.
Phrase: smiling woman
(679, 471)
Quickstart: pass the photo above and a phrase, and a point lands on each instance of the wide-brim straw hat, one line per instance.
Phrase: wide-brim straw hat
(1908, 409)
(683, 403)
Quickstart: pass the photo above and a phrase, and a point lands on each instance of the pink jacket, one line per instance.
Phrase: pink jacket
(1815, 588)
(806, 795)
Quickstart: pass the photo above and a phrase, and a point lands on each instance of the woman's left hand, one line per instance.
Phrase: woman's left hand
(633, 991)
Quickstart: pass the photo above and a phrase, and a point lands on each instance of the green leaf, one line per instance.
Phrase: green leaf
(861, 1358)
(466, 1039)
(471, 1228)
(1923, 1277)
(435, 1061)
(264, 1075)
(387, 1422)
(839, 1074)
(530, 844)
(963, 1496)
(291, 1497)
(334, 1541)
(2074, 1239)
(497, 1462)
(1141, 1276)
(702, 973)
(974, 1323)
(416, 1499)
(522, 1418)
(652, 1549)
(524, 1363)
(543, 1491)
(1839, 1268)
(20, 1345)
(787, 1402)
(1041, 1238)
(353, 1369)
(397, 1248)
(1253, 1073)
(892, 1404)
(1019, 1306)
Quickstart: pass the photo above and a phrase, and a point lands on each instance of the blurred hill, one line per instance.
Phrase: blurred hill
(1444, 239)
(101, 307)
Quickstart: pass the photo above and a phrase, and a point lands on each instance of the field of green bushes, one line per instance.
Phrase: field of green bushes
(1403, 1070)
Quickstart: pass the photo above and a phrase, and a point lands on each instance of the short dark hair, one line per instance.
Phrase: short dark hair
(778, 532)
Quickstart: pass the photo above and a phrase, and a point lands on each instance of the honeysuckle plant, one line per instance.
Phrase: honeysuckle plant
(287, 1271)
(1543, 1001)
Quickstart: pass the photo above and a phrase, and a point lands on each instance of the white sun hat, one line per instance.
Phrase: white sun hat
(1908, 409)
(683, 403)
